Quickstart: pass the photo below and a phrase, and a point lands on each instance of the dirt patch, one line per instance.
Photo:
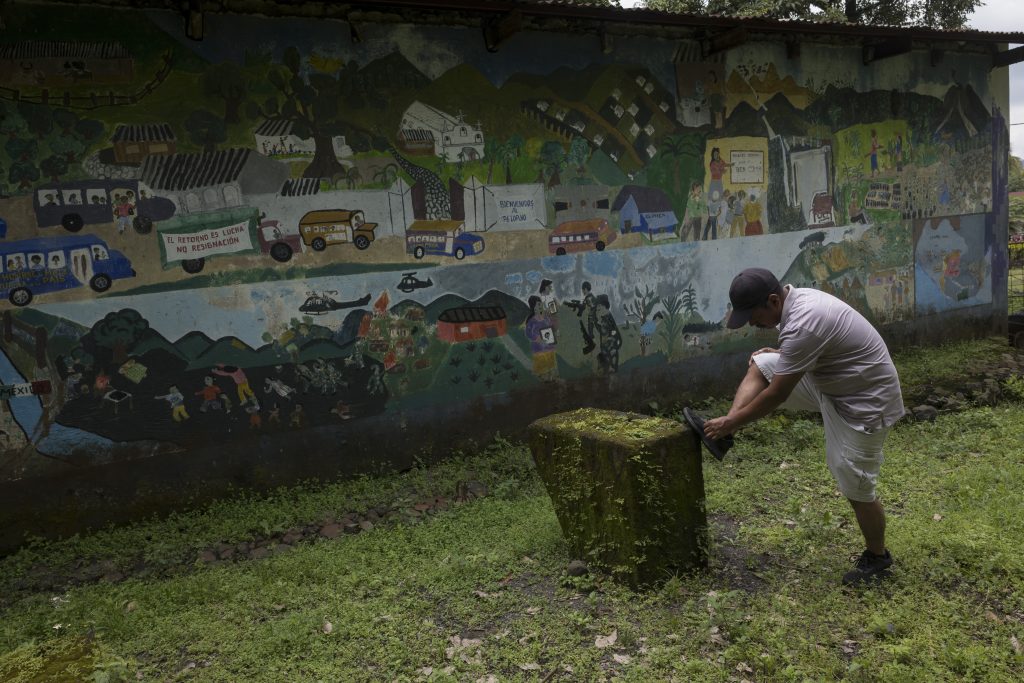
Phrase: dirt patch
(731, 562)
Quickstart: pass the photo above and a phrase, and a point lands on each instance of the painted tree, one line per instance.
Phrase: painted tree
(38, 117)
(491, 147)
(12, 124)
(23, 174)
(206, 129)
(552, 162)
(579, 154)
(509, 152)
(89, 130)
(311, 102)
(675, 147)
(65, 120)
(353, 177)
(689, 301)
(119, 331)
(21, 149)
(227, 82)
(672, 326)
(947, 14)
(386, 175)
(642, 304)
(54, 166)
(73, 136)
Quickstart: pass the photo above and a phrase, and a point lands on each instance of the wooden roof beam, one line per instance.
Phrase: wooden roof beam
(499, 29)
(892, 47)
(726, 40)
(1009, 57)
(194, 23)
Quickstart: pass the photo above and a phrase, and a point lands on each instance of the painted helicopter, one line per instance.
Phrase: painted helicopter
(323, 303)
(410, 282)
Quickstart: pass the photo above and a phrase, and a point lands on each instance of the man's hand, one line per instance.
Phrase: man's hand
(719, 427)
(750, 361)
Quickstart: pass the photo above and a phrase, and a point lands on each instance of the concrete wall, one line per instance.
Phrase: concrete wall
(168, 356)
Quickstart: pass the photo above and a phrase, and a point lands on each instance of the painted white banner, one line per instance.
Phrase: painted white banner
(747, 167)
(9, 391)
(203, 243)
(516, 207)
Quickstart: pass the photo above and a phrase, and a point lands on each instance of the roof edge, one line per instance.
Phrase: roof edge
(556, 9)
(638, 15)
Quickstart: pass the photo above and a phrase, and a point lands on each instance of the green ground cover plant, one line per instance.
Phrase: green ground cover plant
(480, 591)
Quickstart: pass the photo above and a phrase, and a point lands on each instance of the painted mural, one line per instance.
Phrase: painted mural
(217, 240)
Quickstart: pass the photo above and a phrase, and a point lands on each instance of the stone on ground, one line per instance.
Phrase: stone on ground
(628, 491)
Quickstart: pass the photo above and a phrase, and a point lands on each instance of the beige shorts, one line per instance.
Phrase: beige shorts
(853, 453)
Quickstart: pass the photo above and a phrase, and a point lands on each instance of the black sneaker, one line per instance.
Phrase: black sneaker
(869, 568)
(717, 447)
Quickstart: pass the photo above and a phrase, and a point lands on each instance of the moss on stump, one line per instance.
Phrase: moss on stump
(628, 491)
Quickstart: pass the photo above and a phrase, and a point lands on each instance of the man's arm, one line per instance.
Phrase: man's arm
(777, 391)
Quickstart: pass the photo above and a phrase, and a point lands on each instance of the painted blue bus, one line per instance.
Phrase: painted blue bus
(75, 204)
(49, 264)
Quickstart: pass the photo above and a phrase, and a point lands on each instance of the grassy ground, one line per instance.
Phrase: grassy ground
(480, 593)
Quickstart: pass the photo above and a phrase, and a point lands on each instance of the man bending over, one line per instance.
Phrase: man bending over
(832, 361)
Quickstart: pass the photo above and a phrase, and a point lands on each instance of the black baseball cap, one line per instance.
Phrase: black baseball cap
(748, 290)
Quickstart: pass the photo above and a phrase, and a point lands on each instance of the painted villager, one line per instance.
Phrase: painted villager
(210, 393)
(716, 169)
(830, 360)
(547, 296)
(238, 376)
(695, 208)
(123, 212)
(177, 402)
(297, 418)
(541, 332)
(586, 310)
(714, 213)
(253, 409)
(610, 340)
(873, 154)
(752, 214)
(739, 222)
(647, 330)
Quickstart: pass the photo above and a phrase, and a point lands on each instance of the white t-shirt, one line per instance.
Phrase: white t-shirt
(844, 356)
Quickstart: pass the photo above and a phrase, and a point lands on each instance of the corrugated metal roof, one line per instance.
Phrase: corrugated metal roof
(149, 132)
(274, 127)
(39, 49)
(297, 187)
(596, 10)
(177, 172)
(472, 314)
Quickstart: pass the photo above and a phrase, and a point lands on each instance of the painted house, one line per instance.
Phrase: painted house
(276, 138)
(581, 202)
(423, 127)
(58, 63)
(133, 143)
(206, 181)
(646, 210)
(467, 323)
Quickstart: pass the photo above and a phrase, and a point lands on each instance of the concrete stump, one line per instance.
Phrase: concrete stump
(628, 491)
